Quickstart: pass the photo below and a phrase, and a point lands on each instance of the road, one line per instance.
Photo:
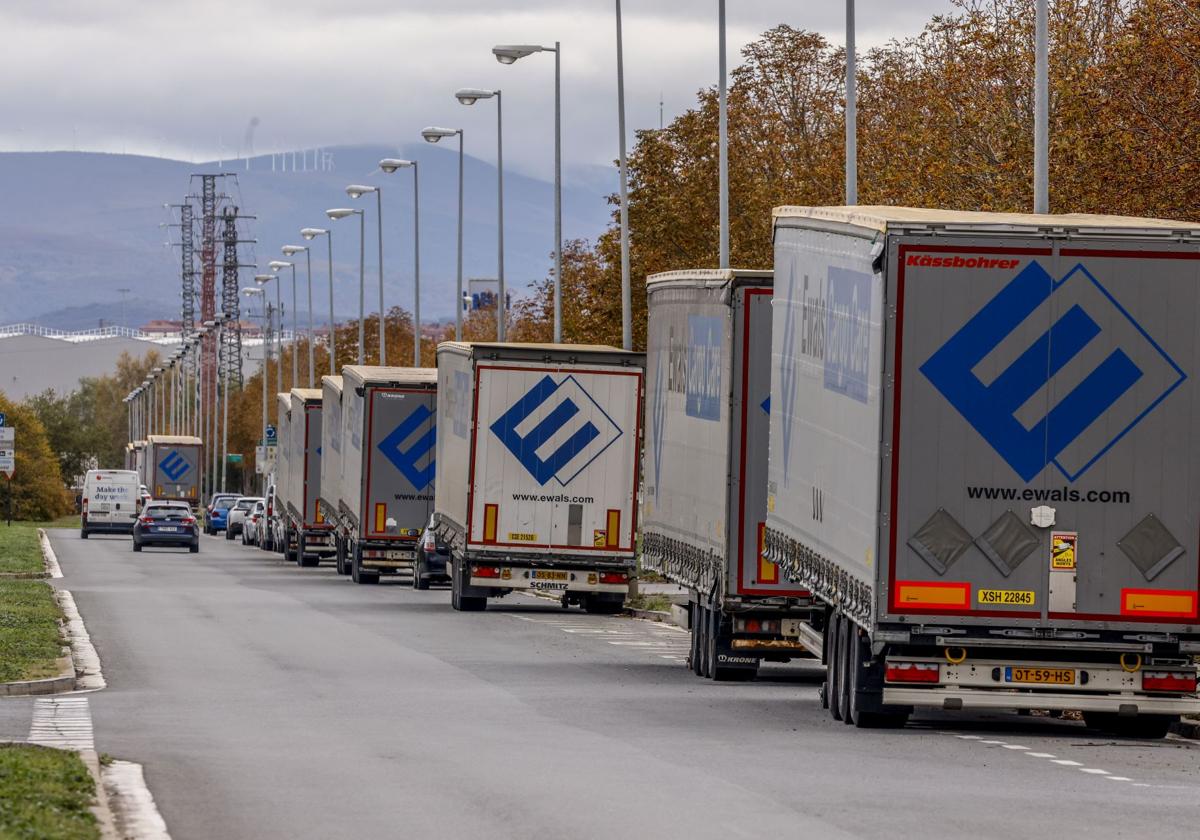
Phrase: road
(268, 701)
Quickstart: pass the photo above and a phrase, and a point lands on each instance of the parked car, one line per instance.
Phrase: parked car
(253, 526)
(217, 511)
(167, 524)
(143, 495)
(236, 518)
(266, 525)
(432, 554)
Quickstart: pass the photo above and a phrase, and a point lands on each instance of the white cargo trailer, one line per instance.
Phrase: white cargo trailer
(708, 388)
(385, 488)
(983, 458)
(331, 448)
(306, 534)
(538, 470)
(173, 468)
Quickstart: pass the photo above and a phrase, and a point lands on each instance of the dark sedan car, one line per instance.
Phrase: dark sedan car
(168, 524)
(432, 554)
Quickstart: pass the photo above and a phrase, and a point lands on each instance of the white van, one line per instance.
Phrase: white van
(110, 502)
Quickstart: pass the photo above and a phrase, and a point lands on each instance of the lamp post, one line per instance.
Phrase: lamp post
(469, 96)
(262, 293)
(290, 250)
(723, 138)
(275, 265)
(341, 213)
(390, 165)
(1041, 115)
(510, 54)
(851, 110)
(358, 191)
(626, 284)
(433, 134)
(310, 234)
(262, 280)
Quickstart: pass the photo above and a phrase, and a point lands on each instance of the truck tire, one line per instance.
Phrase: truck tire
(701, 631)
(833, 683)
(83, 533)
(339, 556)
(1142, 726)
(862, 686)
(845, 637)
(301, 560)
(694, 653)
(357, 573)
(595, 604)
(459, 601)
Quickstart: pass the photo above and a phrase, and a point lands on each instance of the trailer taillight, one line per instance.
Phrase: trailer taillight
(486, 571)
(913, 672)
(614, 577)
(1168, 681)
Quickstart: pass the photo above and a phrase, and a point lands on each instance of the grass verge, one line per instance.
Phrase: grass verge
(658, 603)
(45, 794)
(20, 550)
(30, 638)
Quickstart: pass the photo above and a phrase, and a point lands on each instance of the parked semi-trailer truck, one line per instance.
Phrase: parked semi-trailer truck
(537, 470)
(305, 533)
(708, 384)
(386, 469)
(276, 509)
(331, 456)
(172, 467)
(983, 459)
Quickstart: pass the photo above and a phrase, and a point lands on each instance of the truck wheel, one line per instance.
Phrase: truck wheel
(357, 574)
(461, 602)
(694, 632)
(1142, 726)
(339, 557)
(301, 560)
(833, 682)
(594, 604)
(700, 619)
(845, 637)
(861, 683)
(83, 533)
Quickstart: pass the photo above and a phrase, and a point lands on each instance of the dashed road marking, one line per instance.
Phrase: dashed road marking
(666, 641)
(1066, 762)
(1095, 771)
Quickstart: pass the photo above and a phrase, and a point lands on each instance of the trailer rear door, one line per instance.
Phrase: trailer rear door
(1042, 469)
(401, 438)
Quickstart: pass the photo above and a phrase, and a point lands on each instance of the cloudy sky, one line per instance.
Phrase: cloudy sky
(183, 78)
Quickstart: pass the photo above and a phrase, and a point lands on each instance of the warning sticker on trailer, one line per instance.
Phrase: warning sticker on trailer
(599, 538)
(1063, 549)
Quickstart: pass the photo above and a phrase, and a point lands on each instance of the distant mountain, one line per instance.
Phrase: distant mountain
(75, 227)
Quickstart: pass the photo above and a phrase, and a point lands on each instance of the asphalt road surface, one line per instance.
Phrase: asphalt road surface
(268, 701)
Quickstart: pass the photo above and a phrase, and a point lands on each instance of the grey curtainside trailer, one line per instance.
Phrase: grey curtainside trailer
(983, 458)
(704, 506)
(306, 534)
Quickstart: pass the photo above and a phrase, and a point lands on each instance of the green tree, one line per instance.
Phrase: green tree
(36, 488)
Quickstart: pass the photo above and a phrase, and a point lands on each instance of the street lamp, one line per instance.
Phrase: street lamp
(310, 233)
(276, 265)
(341, 213)
(626, 285)
(291, 250)
(510, 54)
(251, 292)
(433, 134)
(469, 96)
(358, 191)
(262, 280)
(390, 165)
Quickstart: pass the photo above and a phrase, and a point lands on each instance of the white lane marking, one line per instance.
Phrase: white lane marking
(1014, 747)
(969, 737)
(1040, 755)
(1001, 743)
(1140, 784)
(1118, 778)
(88, 676)
(1095, 771)
(62, 722)
(134, 806)
(1066, 762)
(49, 558)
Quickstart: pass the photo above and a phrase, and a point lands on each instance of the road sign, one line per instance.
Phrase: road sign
(8, 436)
(235, 457)
(8, 462)
(264, 460)
(270, 435)
(3, 419)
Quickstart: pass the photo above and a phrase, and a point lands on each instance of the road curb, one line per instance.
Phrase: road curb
(88, 676)
(649, 615)
(101, 808)
(65, 681)
(49, 558)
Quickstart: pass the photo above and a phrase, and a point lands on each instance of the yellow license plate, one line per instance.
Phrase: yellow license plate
(1040, 676)
(1020, 597)
(548, 574)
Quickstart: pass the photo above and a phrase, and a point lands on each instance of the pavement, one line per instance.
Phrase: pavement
(269, 701)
